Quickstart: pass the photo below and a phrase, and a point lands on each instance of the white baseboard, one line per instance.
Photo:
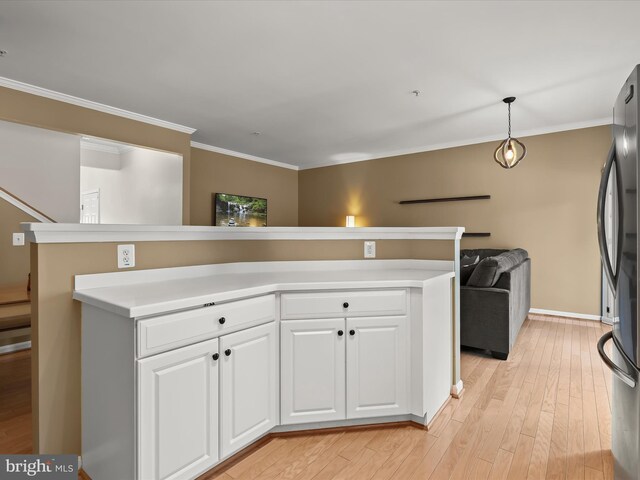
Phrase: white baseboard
(609, 320)
(556, 313)
(349, 423)
(15, 347)
(456, 389)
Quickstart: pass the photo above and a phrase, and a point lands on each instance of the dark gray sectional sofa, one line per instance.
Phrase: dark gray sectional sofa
(495, 297)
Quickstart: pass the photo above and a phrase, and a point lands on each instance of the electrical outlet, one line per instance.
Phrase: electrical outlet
(369, 249)
(126, 256)
(18, 239)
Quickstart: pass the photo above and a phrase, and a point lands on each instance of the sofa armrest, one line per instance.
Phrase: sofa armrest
(484, 318)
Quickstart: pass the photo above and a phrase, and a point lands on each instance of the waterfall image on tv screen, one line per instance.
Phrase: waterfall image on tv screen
(239, 211)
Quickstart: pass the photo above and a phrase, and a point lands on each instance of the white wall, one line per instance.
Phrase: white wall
(102, 171)
(138, 186)
(41, 167)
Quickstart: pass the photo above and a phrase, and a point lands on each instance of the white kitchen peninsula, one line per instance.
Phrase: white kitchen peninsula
(184, 367)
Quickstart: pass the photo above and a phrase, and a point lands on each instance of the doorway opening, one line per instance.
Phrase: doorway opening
(90, 207)
(125, 184)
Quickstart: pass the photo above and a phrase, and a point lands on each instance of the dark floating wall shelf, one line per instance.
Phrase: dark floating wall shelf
(453, 199)
(476, 234)
(446, 199)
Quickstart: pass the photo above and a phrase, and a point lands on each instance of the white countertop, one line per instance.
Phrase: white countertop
(150, 292)
(83, 232)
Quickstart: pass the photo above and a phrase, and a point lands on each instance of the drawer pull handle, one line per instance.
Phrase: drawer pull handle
(222, 320)
(352, 332)
(340, 333)
(215, 356)
(227, 352)
(345, 304)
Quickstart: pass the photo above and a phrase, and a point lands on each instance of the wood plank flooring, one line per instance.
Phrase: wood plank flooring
(542, 414)
(15, 402)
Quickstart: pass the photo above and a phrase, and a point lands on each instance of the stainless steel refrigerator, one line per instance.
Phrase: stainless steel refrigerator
(620, 260)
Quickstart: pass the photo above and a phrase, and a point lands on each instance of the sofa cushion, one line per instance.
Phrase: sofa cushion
(482, 252)
(467, 265)
(488, 271)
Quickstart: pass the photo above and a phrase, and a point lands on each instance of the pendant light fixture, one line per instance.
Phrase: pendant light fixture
(510, 151)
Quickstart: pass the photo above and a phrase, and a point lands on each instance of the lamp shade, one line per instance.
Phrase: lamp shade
(350, 221)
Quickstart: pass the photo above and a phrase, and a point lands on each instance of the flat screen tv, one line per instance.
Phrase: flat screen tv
(239, 211)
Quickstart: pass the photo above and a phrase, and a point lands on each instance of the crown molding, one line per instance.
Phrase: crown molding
(98, 147)
(245, 156)
(462, 143)
(81, 102)
(128, 148)
(63, 97)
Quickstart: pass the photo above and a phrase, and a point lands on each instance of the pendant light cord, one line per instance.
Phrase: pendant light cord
(509, 107)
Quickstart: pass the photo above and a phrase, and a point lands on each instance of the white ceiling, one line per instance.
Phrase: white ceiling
(328, 82)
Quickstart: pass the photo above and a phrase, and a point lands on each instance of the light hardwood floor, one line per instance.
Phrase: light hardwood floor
(15, 402)
(544, 413)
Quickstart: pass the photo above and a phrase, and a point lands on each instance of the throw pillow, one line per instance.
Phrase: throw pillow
(467, 265)
(488, 271)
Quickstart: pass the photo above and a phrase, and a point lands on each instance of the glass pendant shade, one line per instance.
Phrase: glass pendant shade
(510, 151)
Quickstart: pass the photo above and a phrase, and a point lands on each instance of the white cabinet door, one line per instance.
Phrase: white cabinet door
(377, 372)
(313, 370)
(248, 386)
(178, 412)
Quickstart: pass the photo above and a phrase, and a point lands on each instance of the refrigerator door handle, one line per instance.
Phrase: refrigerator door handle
(617, 371)
(602, 239)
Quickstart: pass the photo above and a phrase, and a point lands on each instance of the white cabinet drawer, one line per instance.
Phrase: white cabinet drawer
(166, 332)
(343, 304)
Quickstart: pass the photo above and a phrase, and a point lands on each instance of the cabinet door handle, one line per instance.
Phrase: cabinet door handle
(227, 352)
(340, 333)
(222, 320)
(215, 356)
(352, 332)
(345, 305)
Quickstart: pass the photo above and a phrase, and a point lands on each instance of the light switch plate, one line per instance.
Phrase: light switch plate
(369, 249)
(18, 239)
(126, 256)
